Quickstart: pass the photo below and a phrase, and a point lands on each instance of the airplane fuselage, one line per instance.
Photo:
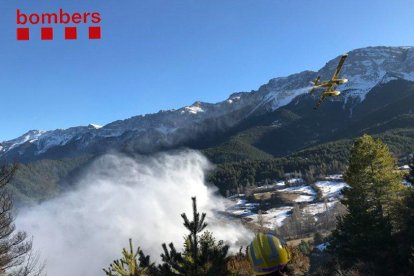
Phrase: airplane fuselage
(330, 83)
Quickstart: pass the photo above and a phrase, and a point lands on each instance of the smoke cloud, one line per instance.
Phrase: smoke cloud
(118, 198)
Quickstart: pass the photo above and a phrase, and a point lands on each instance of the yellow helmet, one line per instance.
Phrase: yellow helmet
(267, 254)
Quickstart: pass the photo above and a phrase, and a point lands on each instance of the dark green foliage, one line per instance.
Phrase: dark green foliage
(296, 126)
(365, 233)
(318, 238)
(405, 237)
(304, 247)
(239, 147)
(132, 263)
(312, 163)
(410, 176)
(190, 264)
(41, 180)
(201, 256)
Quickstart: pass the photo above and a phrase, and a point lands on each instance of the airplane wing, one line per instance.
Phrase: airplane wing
(321, 99)
(323, 96)
(339, 67)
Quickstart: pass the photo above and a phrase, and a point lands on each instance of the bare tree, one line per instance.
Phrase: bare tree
(16, 256)
(261, 221)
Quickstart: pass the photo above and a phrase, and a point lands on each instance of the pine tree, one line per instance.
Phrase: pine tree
(365, 233)
(132, 263)
(16, 255)
(202, 256)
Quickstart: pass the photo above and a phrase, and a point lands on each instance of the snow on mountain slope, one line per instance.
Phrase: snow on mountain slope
(31, 136)
(365, 68)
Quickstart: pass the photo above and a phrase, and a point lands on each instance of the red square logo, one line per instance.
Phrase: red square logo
(47, 33)
(94, 32)
(71, 33)
(23, 34)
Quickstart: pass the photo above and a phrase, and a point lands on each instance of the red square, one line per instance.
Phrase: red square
(94, 32)
(23, 34)
(47, 33)
(71, 33)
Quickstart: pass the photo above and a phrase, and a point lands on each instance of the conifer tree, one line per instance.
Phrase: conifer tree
(365, 233)
(201, 256)
(132, 263)
(16, 255)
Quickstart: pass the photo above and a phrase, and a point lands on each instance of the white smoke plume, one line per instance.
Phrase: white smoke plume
(120, 197)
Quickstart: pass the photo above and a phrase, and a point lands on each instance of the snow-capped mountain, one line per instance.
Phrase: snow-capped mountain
(365, 68)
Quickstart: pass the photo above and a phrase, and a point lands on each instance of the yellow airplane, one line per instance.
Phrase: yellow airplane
(331, 84)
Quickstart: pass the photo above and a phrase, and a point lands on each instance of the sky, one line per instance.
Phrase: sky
(166, 54)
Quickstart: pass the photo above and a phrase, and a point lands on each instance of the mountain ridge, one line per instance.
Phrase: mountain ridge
(365, 68)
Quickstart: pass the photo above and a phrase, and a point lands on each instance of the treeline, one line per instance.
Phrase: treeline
(44, 179)
(310, 164)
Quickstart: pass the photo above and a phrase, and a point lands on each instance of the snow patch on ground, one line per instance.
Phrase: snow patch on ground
(330, 189)
(273, 218)
(334, 177)
(299, 189)
(271, 186)
(304, 198)
(295, 181)
(318, 208)
(239, 205)
(404, 167)
(242, 213)
(305, 193)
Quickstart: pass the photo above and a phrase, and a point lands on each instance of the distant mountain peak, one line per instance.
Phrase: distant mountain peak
(365, 68)
(94, 126)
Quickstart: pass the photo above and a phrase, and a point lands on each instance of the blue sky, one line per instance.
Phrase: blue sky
(164, 54)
